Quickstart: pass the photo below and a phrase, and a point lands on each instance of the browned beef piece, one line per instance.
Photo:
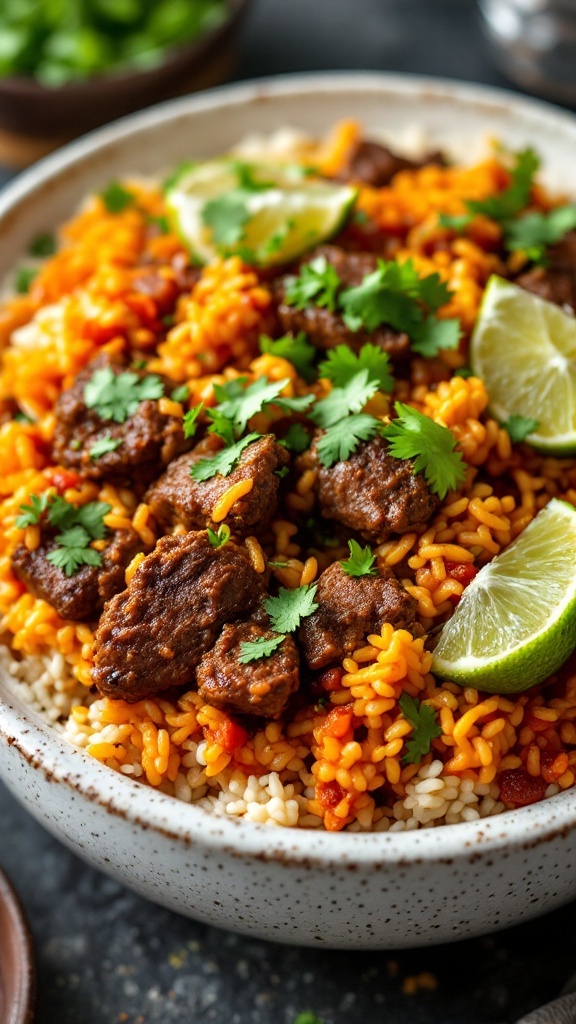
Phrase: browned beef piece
(152, 636)
(178, 499)
(260, 687)
(82, 595)
(349, 608)
(149, 280)
(324, 329)
(555, 282)
(376, 165)
(373, 492)
(150, 439)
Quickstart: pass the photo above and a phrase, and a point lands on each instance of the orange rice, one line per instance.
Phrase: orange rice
(338, 761)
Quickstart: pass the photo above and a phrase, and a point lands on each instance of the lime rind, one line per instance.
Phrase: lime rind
(515, 624)
(287, 214)
(524, 348)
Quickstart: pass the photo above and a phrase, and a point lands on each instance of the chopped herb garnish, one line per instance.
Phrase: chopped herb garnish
(139, 364)
(317, 284)
(178, 172)
(43, 245)
(361, 561)
(23, 279)
(220, 537)
(360, 217)
(464, 371)
(263, 647)
(341, 401)
(117, 396)
(341, 364)
(433, 448)
(73, 550)
(22, 417)
(341, 440)
(291, 606)
(63, 515)
(520, 426)
(32, 513)
(226, 216)
(180, 394)
(535, 231)
(456, 222)
(515, 197)
(116, 198)
(190, 420)
(297, 438)
(104, 445)
(237, 404)
(423, 718)
(296, 349)
(223, 462)
(161, 223)
(282, 472)
(75, 444)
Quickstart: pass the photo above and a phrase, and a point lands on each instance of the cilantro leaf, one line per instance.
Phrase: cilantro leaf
(179, 171)
(361, 561)
(317, 284)
(23, 279)
(426, 728)
(533, 232)
(117, 396)
(291, 606)
(263, 647)
(104, 445)
(219, 538)
(297, 438)
(512, 200)
(342, 363)
(221, 426)
(456, 222)
(32, 513)
(238, 404)
(432, 335)
(341, 440)
(73, 551)
(226, 216)
(43, 245)
(433, 448)
(180, 394)
(64, 516)
(520, 426)
(464, 372)
(116, 198)
(190, 420)
(223, 462)
(341, 401)
(296, 349)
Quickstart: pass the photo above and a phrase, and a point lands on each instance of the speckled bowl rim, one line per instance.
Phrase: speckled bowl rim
(143, 806)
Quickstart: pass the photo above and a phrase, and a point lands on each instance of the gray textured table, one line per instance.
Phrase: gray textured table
(105, 956)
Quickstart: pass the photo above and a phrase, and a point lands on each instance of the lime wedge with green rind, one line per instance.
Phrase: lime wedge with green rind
(524, 349)
(515, 623)
(269, 214)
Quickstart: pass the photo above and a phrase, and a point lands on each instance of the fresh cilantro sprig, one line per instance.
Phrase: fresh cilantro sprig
(263, 647)
(116, 396)
(226, 217)
(287, 610)
(423, 718)
(341, 401)
(223, 462)
(190, 420)
(297, 438)
(360, 562)
(78, 528)
(432, 447)
(535, 231)
(519, 427)
(296, 349)
(23, 279)
(180, 394)
(317, 284)
(513, 199)
(104, 445)
(43, 245)
(339, 416)
(32, 513)
(116, 197)
(73, 550)
(64, 516)
(341, 440)
(220, 537)
(341, 364)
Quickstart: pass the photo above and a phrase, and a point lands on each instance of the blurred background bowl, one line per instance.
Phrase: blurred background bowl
(36, 119)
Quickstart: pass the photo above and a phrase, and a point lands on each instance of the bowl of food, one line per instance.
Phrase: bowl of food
(287, 510)
(66, 71)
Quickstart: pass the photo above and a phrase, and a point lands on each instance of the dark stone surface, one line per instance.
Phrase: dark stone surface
(106, 956)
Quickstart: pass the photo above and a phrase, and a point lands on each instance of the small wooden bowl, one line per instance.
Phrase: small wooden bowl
(36, 119)
(17, 971)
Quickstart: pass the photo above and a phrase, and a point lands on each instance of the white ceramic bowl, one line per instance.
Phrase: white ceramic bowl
(311, 888)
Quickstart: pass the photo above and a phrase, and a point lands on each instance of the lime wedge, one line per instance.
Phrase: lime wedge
(524, 348)
(516, 621)
(267, 214)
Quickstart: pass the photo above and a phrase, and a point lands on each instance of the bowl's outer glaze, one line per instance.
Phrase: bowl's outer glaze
(385, 891)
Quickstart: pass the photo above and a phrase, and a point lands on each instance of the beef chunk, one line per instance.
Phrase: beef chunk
(177, 498)
(152, 636)
(376, 165)
(82, 595)
(150, 439)
(373, 492)
(150, 279)
(555, 282)
(260, 687)
(349, 608)
(324, 329)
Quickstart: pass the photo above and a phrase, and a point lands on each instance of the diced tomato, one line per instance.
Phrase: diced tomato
(329, 794)
(62, 479)
(331, 679)
(230, 736)
(553, 764)
(463, 572)
(536, 724)
(338, 721)
(519, 788)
